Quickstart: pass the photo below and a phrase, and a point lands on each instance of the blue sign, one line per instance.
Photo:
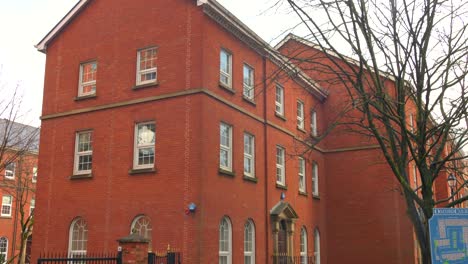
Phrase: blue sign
(448, 230)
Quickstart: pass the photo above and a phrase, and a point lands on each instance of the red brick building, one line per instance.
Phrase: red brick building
(18, 176)
(153, 108)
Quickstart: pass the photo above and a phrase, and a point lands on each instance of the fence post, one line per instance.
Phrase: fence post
(134, 249)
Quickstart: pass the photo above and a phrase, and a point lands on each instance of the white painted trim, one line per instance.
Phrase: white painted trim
(228, 253)
(273, 54)
(251, 156)
(250, 254)
(228, 149)
(201, 2)
(6, 249)
(302, 175)
(139, 72)
(281, 166)
(136, 147)
(71, 251)
(214, 7)
(42, 45)
(76, 171)
(9, 205)
(303, 238)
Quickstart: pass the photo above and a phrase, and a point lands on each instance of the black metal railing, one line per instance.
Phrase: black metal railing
(98, 258)
(285, 259)
(165, 258)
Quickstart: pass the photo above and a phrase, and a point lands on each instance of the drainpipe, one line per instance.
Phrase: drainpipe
(265, 126)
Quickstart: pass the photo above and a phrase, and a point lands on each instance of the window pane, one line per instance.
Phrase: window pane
(247, 165)
(89, 72)
(223, 158)
(79, 239)
(146, 156)
(224, 62)
(224, 136)
(85, 162)
(146, 134)
(248, 144)
(6, 199)
(84, 142)
(148, 59)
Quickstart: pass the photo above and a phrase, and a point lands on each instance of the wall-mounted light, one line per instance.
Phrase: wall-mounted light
(191, 208)
(283, 196)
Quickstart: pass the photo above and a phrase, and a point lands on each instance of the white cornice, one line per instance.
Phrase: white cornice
(231, 23)
(226, 19)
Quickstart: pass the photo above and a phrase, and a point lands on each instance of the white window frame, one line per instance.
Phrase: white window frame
(137, 147)
(315, 179)
(83, 84)
(317, 246)
(4, 253)
(228, 149)
(250, 156)
(251, 254)
(83, 224)
(300, 114)
(411, 122)
(228, 74)
(226, 254)
(34, 175)
(279, 100)
(7, 205)
(415, 179)
(143, 220)
(32, 205)
(281, 166)
(249, 89)
(302, 175)
(10, 174)
(313, 123)
(78, 154)
(139, 71)
(303, 246)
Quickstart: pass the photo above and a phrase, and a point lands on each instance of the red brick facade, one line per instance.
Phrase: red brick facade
(360, 218)
(17, 187)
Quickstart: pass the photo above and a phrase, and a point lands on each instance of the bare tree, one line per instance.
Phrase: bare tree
(410, 62)
(18, 158)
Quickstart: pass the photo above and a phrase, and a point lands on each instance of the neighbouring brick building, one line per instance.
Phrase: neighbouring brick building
(171, 118)
(18, 176)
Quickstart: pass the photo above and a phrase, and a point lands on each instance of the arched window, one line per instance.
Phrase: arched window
(225, 241)
(78, 238)
(317, 246)
(142, 226)
(303, 245)
(249, 242)
(3, 249)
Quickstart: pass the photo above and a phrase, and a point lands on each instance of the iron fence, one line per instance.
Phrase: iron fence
(285, 259)
(57, 258)
(166, 258)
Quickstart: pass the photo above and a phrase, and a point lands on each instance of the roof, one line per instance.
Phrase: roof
(226, 19)
(283, 208)
(19, 136)
(42, 45)
(330, 52)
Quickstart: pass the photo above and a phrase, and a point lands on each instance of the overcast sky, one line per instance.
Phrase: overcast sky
(25, 22)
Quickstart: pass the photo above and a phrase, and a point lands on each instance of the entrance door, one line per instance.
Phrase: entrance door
(282, 243)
